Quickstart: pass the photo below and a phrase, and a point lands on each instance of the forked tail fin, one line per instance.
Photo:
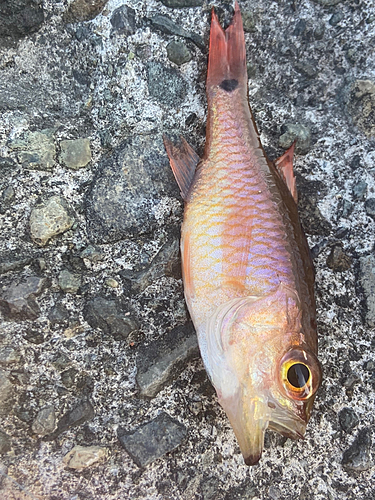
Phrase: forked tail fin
(227, 55)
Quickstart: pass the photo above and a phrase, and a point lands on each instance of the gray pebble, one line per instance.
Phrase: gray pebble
(307, 69)
(166, 85)
(152, 440)
(45, 421)
(49, 218)
(123, 20)
(167, 26)
(357, 456)
(367, 266)
(69, 282)
(83, 10)
(336, 18)
(178, 53)
(291, 132)
(346, 208)
(338, 260)
(75, 153)
(359, 191)
(18, 301)
(179, 4)
(9, 356)
(13, 261)
(328, 3)
(248, 21)
(7, 393)
(162, 360)
(165, 263)
(92, 253)
(81, 413)
(107, 315)
(361, 105)
(58, 314)
(348, 419)
(370, 207)
(4, 443)
(81, 457)
(319, 31)
(8, 195)
(36, 150)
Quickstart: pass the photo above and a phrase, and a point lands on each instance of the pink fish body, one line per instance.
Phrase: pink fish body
(248, 276)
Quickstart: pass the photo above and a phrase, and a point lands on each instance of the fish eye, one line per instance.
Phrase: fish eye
(300, 374)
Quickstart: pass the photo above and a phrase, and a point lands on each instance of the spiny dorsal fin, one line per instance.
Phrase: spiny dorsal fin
(183, 160)
(284, 166)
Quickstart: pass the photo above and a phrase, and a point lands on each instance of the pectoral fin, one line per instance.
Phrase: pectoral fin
(183, 160)
(284, 166)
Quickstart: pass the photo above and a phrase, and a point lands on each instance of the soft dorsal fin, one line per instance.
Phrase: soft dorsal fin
(284, 166)
(183, 160)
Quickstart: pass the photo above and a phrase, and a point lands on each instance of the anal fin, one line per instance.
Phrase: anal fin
(284, 166)
(183, 160)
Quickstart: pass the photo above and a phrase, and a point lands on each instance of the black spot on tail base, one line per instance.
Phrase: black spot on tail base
(229, 85)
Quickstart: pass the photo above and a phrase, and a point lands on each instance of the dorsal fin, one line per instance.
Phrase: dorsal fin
(284, 165)
(183, 160)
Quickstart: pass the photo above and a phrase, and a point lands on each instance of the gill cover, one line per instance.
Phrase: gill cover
(263, 375)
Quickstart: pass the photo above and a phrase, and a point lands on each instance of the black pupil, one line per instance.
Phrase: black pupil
(298, 375)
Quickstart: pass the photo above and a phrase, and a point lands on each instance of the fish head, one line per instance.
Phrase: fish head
(265, 371)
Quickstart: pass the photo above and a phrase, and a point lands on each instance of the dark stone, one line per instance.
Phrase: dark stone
(346, 208)
(242, 492)
(367, 266)
(178, 53)
(123, 20)
(336, 18)
(306, 69)
(166, 85)
(92, 253)
(167, 26)
(361, 105)
(9, 356)
(359, 191)
(165, 263)
(19, 18)
(319, 31)
(7, 393)
(300, 27)
(45, 421)
(13, 262)
(6, 163)
(308, 196)
(127, 188)
(179, 4)
(370, 207)
(17, 301)
(81, 413)
(34, 335)
(83, 10)
(357, 456)
(162, 361)
(211, 489)
(60, 361)
(348, 419)
(108, 316)
(291, 132)
(58, 314)
(348, 378)
(152, 440)
(338, 260)
(68, 377)
(4, 443)
(229, 85)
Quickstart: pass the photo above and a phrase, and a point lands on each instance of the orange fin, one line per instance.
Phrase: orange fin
(183, 160)
(284, 166)
(227, 55)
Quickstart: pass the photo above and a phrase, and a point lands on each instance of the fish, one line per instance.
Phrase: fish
(247, 271)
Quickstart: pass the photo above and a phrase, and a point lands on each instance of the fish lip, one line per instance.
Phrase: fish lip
(252, 459)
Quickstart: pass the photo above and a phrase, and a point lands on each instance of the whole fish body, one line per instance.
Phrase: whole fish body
(247, 272)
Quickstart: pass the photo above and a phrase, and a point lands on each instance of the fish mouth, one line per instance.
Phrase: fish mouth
(251, 419)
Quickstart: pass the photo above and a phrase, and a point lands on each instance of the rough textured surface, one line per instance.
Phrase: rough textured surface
(81, 70)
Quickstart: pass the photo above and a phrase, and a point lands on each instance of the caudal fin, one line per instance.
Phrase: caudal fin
(227, 55)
